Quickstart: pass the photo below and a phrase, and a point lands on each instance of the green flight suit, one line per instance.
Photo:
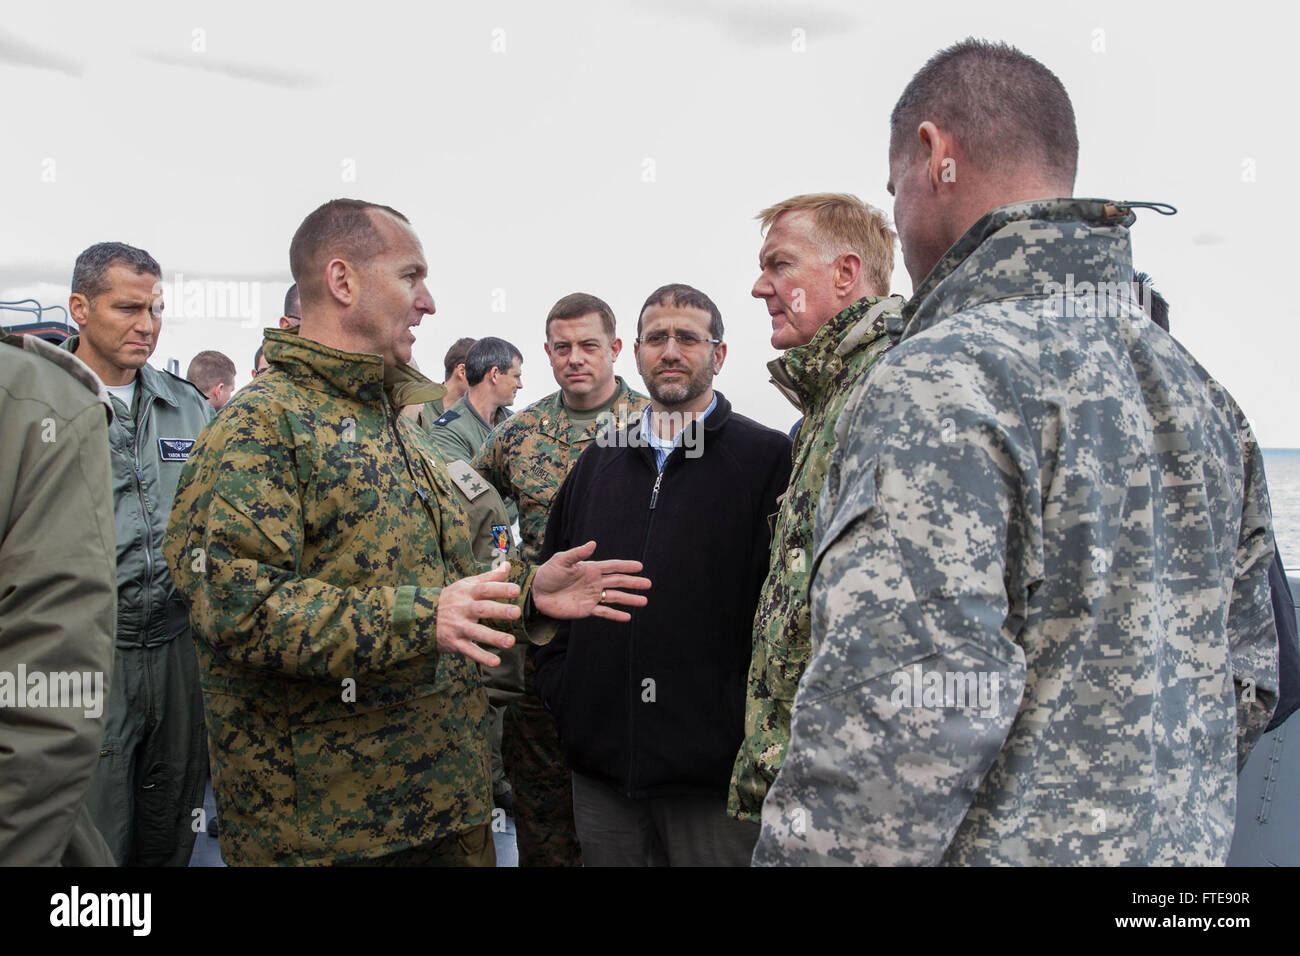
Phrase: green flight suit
(152, 764)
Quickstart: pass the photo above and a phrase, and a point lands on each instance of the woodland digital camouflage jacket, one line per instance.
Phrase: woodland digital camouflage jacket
(1040, 602)
(313, 530)
(817, 378)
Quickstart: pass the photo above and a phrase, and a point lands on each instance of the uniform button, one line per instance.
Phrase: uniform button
(795, 559)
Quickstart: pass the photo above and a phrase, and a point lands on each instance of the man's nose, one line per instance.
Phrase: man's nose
(424, 301)
(762, 288)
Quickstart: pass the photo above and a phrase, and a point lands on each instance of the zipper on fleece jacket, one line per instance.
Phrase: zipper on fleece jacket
(631, 637)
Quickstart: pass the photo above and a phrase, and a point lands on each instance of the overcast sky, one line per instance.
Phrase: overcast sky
(541, 149)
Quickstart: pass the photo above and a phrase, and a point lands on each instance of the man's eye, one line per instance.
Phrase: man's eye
(560, 349)
(591, 347)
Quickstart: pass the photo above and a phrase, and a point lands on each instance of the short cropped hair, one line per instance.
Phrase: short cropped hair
(210, 367)
(292, 303)
(844, 223)
(455, 356)
(341, 227)
(681, 296)
(1003, 106)
(257, 356)
(577, 304)
(488, 353)
(90, 274)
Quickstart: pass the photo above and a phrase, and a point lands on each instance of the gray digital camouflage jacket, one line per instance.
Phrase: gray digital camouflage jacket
(1040, 603)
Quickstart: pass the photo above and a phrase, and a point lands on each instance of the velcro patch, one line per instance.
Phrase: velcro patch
(175, 449)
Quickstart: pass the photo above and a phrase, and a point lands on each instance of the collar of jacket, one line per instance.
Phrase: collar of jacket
(1014, 245)
(555, 423)
(159, 384)
(500, 415)
(803, 372)
(686, 437)
(357, 375)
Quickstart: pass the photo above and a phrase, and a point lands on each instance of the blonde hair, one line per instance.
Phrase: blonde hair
(844, 223)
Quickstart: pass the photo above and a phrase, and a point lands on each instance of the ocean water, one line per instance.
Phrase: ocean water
(1282, 467)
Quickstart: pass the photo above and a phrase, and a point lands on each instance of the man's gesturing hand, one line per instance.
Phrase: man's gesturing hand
(462, 603)
(567, 586)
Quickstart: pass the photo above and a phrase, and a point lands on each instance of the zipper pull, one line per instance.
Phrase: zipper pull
(654, 495)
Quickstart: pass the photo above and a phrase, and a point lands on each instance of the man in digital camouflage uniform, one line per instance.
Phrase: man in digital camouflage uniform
(527, 459)
(337, 602)
(825, 269)
(1041, 621)
(152, 763)
(58, 607)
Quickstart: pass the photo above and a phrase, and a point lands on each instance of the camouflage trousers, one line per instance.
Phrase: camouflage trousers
(471, 848)
(534, 761)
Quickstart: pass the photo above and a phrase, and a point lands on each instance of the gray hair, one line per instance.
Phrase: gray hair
(489, 353)
(89, 275)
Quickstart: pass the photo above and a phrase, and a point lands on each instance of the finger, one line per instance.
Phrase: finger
(617, 566)
(624, 581)
(494, 591)
(499, 573)
(474, 653)
(482, 634)
(610, 614)
(619, 597)
(492, 610)
(580, 553)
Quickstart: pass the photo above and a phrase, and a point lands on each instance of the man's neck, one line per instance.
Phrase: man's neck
(483, 403)
(108, 373)
(454, 392)
(668, 420)
(333, 335)
(588, 402)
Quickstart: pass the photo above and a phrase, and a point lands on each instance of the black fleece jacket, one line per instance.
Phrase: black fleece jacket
(655, 706)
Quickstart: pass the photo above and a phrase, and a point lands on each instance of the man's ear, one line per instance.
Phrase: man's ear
(937, 150)
(848, 269)
(615, 347)
(79, 308)
(341, 281)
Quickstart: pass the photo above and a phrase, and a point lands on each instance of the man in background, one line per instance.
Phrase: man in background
(651, 713)
(494, 372)
(526, 459)
(153, 760)
(213, 373)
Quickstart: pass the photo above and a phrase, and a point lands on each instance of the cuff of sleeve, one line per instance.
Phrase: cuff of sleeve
(533, 626)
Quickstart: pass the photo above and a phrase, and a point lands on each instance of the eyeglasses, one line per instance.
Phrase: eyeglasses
(685, 340)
